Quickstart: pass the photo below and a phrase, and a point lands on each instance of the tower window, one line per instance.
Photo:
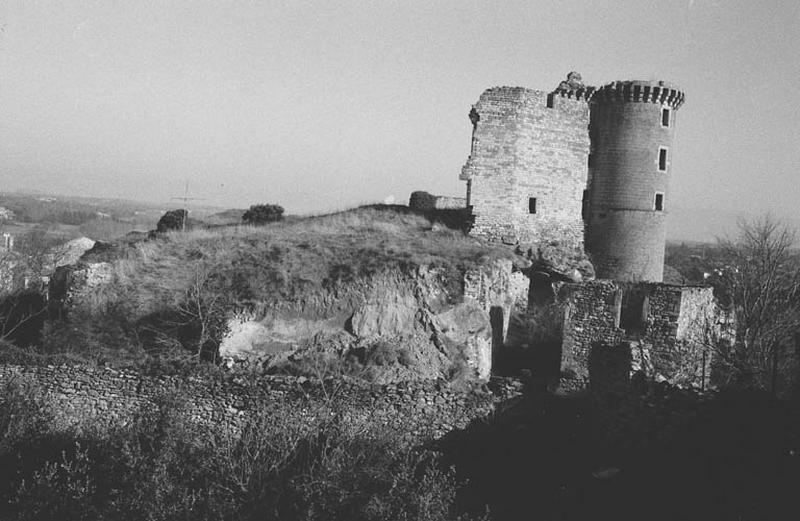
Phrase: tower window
(662, 159)
(531, 205)
(658, 204)
(665, 117)
(585, 204)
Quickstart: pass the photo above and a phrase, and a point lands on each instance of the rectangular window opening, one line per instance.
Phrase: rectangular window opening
(550, 100)
(659, 202)
(531, 205)
(585, 204)
(662, 159)
(665, 117)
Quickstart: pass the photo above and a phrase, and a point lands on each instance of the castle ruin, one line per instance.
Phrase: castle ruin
(588, 169)
(585, 167)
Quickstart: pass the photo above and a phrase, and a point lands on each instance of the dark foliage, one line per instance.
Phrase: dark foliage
(656, 453)
(263, 213)
(22, 317)
(172, 220)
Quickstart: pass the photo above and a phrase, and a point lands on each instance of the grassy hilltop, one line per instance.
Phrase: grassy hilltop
(171, 295)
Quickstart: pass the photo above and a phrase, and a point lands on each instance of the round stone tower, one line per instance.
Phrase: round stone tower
(631, 127)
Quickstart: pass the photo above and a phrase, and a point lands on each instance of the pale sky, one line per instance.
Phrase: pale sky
(321, 105)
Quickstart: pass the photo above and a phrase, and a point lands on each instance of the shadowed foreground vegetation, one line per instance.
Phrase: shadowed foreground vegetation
(163, 466)
(655, 453)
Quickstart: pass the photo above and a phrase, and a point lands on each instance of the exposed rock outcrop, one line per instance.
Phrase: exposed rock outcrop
(439, 323)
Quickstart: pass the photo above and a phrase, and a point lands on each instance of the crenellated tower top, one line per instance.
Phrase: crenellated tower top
(641, 91)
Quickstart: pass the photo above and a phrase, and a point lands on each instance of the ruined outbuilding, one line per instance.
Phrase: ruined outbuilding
(669, 330)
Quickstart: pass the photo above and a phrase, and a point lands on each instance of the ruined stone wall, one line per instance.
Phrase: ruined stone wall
(698, 313)
(591, 314)
(500, 291)
(497, 285)
(666, 327)
(663, 309)
(77, 284)
(680, 322)
(424, 201)
(528, 144)
(105, 397)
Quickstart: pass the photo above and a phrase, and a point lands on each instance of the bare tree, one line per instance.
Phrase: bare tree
(758, 277)
(203, 309)
(24, 270)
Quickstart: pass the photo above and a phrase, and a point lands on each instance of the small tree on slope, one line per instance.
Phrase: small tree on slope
(263, 213)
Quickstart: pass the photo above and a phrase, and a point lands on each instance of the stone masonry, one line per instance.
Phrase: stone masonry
(105, 397)
(542, 165)
(667, 328)
(527, 171)
(424, 201)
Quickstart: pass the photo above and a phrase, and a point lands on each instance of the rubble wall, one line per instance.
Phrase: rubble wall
(667, 327)
(105, 397)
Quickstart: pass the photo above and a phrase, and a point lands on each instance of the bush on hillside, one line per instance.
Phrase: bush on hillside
(263, 213)
(172, 220)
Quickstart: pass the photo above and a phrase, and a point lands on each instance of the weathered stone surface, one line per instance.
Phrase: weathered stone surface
(423, 410)
(668, 329)
(389, 316)
(74, 285)
(542, 165)
(467, 329)
(435, 320)
(527, 144)
(424, 201)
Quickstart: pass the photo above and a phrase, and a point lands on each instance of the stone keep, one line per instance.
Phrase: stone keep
(577, 163)
(631, 130)
(526, 172)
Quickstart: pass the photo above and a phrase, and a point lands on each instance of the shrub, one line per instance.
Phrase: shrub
(262, 214)
(172, 220)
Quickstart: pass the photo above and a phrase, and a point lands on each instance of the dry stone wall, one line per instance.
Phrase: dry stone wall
(424, 201)
(76, 284)
(106, 397)
(591, 314)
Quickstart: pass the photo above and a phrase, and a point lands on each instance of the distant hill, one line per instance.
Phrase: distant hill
(231, 216)
(95, 217)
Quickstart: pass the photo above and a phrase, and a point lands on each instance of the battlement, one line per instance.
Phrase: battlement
(573, 88)
(578, 165)
(580, 94)
(641, 91)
